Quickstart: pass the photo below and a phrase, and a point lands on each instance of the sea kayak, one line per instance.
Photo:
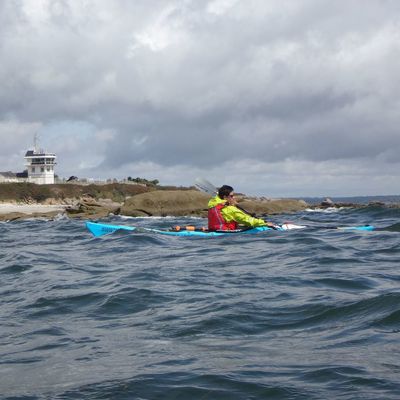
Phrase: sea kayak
(99, 229)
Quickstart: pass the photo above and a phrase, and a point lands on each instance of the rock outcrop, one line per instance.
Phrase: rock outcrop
(276, 206)
(159, 203)
(13, 216)
(89, 207)
(191, 202)
(167, 202)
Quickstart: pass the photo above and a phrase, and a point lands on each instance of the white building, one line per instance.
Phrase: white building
(8, 176)
(40, 166)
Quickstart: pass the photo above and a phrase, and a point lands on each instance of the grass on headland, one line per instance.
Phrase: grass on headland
(31, 192)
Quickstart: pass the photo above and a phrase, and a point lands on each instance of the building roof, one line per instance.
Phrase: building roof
(23, 174)
(32, 153)
(8, 174)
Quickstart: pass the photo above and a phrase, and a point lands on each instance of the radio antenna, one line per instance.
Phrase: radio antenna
(35, 142)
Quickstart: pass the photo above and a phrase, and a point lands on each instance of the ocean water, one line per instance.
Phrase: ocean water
(310, 314)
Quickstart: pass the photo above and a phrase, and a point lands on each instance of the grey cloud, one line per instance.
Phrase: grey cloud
(179, 84)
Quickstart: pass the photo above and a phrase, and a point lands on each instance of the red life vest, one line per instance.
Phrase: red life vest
(216, 221)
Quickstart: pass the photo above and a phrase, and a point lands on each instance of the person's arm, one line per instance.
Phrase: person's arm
(232, 213)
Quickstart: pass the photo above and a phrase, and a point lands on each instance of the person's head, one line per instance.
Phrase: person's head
(225, 191)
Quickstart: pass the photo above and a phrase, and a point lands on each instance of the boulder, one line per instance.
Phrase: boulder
(88, 207)
(167, 202)
(13, 216)
(327, 202)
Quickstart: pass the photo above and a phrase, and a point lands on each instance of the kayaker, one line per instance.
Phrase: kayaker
(225, 215)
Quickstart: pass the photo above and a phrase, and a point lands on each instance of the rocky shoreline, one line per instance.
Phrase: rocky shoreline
(153, 203)
(158, 203)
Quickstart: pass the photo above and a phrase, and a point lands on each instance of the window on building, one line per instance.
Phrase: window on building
(41, 169)
(33, 169)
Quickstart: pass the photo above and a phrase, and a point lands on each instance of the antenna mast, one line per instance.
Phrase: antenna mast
(35, 142)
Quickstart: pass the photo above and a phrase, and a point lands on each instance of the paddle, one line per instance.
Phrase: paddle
(206, 186)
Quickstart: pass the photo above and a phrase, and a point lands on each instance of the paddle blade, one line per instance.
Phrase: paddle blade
(205, 186)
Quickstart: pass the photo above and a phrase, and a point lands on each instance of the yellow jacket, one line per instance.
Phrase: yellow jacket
(232, 213)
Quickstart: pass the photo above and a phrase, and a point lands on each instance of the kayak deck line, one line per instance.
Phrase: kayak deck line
(100, 229)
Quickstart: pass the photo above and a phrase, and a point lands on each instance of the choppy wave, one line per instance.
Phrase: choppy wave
(307, 314)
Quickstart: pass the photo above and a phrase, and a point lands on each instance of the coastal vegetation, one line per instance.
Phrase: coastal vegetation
(24, 192)
(31, 192)
(146, 182)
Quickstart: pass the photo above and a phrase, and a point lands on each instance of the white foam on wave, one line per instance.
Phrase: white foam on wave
(61, 216)
(287, 226)
(328, 210)
(158, 217)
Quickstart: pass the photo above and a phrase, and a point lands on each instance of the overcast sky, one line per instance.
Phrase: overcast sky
(274, 97)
